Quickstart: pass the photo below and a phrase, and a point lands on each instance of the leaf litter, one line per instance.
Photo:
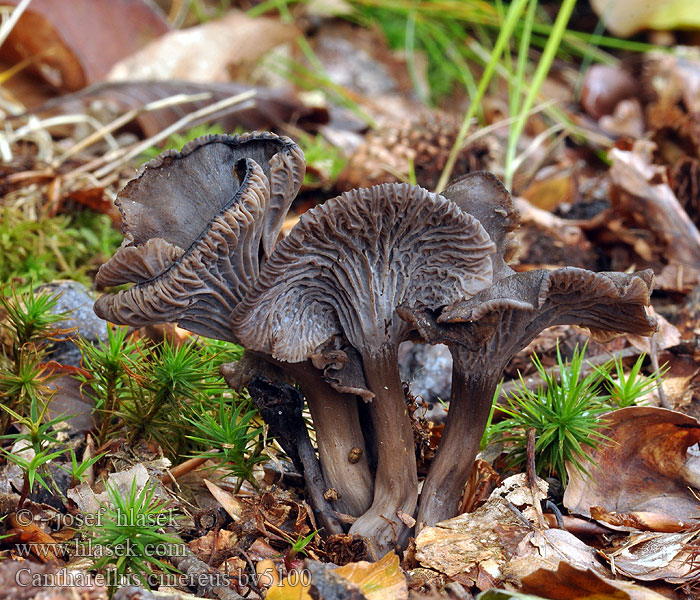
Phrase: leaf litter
(74, 153)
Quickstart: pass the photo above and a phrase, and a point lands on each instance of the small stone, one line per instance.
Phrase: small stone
(74, 298)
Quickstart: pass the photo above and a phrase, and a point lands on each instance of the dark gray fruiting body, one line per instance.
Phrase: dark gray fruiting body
(329, 305)
(486, 331)
(342, 271)
(198, 226)
(280, 405)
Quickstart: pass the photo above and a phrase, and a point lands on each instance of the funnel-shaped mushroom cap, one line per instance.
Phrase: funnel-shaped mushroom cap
(483, 196)
(177, 194)
(201, 287)
(606, 303)
(515, 309)
(350, 262)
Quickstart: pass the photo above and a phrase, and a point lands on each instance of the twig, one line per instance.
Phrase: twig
(8, 25)
(557, 513)
(177, 126)
(126, 118)
(177, 471)
(654, 358)
(532, 476)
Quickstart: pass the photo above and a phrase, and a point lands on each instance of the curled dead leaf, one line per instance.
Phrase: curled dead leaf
(570, 583)
(218, 50)
(645, 466)
(650, 556)
(73, 44)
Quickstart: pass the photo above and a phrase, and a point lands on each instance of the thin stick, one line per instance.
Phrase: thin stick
(532, 476)
(177, 126)
(654, 358)
(126, 118)
(9, 25)
(36, 125)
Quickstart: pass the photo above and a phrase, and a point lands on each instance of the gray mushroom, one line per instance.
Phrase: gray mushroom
(198, 224)
(342, 271)
(486, 331)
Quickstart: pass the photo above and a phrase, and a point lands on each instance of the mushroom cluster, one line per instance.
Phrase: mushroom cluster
(327, 307)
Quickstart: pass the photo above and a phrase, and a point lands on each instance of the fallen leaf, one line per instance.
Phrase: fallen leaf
(228, 501)
(382, 580)
(72, 44)
(666, 336)
(625, 17)
(639, 521)
(570, 583)
(548, 192)
(651, 556)
(500, 542)
(642, 188)
(645, 466)
(675, 76)
(627, 119)
(289, 589)
(218, 50)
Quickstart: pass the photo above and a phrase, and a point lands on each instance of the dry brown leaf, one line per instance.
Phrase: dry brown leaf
(547, 550)
(643, 190)
(627, 119)
(675, 76)
(484, 540)
(678, 278)
(548, 192)
(483, 479)
(546, 239)
(382, 580)
(651, 556)
(289, 589)
(228, 501)
(73, 44)
(219, 541)
(666, 336)
(216, 51)
(570, 583)
(644, 467)
(640, 521)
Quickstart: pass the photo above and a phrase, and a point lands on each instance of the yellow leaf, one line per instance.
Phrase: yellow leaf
(288, 591)
(382, 580)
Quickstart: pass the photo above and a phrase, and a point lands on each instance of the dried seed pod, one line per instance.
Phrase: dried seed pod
(387, 154)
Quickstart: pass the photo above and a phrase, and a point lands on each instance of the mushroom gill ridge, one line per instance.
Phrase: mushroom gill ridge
(199, 289)
(343, 270)
(359, 256)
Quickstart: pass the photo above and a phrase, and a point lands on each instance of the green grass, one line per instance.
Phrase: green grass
(322, 157)
(228, 435)
(468, 44)
(626, 389)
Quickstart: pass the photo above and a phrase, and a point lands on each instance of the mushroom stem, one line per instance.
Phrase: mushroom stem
(470, 405)
(396, 482)
(280, 406)
(338, 436)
